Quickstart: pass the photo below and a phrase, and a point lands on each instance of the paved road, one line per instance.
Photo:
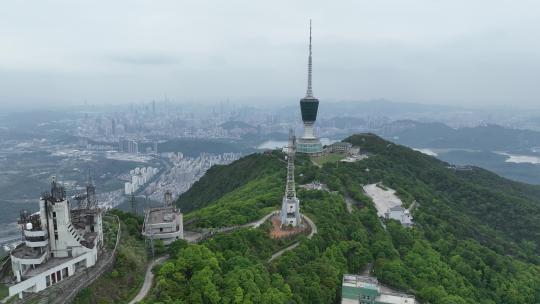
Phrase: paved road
(291, 247)
(148, 278)
(258, 223)
(197, 236)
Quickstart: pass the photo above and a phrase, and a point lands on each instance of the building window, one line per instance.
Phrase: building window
(54, 214)
(55, 225)
(160, 229)
(56, 236)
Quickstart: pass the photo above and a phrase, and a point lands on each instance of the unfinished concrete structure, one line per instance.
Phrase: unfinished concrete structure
(57, 241)
(164, 223)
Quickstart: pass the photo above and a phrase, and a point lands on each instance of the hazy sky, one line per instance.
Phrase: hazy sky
(478, 52)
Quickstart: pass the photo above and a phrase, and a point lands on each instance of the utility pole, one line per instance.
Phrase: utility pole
(133, 204)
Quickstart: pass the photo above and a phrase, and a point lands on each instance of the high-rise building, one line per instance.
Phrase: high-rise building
(113, 127)
(309, 105)
(128, 146)
(290, 206)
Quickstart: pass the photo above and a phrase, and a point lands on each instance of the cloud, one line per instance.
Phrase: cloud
(143, 59)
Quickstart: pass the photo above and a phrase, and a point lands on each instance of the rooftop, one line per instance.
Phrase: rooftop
(160, 215)
(396, 298)
(353, 280)
(24, 252)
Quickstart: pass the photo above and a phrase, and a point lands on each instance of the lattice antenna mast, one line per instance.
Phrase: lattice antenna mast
(167, 199)
(91, 199)
(290, 191)
(309, 92)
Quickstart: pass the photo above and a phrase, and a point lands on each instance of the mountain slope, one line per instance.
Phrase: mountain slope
(221, 179)
(504, 209)
(475, 238)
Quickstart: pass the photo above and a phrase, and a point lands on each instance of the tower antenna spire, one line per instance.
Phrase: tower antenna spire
(309, 92)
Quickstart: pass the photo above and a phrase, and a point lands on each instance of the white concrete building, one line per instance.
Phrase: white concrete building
(163, 223)
(58, 242)
(400, 214)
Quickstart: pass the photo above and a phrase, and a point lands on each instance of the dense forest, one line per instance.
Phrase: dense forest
(222, 179)
(476, 237)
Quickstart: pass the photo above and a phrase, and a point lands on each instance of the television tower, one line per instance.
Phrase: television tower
(309, 105)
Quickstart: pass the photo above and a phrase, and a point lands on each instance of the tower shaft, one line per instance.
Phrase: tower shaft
(290, 191)
(309, 92)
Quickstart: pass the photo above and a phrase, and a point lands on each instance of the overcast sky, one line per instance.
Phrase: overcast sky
(477, 52)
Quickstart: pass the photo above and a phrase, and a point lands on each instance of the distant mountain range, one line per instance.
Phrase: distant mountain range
(438, 135)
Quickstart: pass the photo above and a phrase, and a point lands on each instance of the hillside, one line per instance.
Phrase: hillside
(476, 237)
(222, 179)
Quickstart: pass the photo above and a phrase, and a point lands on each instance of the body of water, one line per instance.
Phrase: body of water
(518, 159)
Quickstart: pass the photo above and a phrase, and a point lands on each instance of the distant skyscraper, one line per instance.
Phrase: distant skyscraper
(113, 127)
(154, 106)
(309, 105)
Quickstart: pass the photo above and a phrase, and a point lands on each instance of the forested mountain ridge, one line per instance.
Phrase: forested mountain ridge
(221, 179)
(475, 238)
(499, 206)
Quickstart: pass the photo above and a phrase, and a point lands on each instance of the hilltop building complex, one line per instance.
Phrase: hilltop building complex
(57, 241)
(309, 105)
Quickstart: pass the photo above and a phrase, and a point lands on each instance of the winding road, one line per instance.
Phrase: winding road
(148, 278)
(294, 245)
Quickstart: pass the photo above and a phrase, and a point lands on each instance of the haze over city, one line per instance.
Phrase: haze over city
(470, 53)
(289, 152)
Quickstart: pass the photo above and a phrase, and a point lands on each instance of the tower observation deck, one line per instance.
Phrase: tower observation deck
(309, 106)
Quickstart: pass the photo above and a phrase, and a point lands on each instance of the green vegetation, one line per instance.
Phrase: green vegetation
(220, 180)
(328, 158)
(4, 291)
(476, 237)
(245, 204)
(125, 279)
